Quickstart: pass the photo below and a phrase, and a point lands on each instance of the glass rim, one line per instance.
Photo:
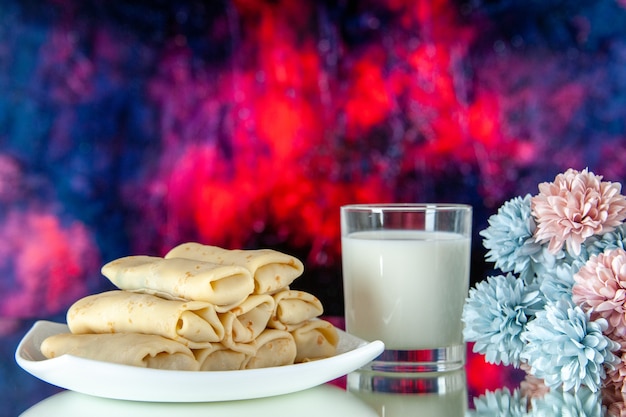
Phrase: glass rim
(406, 207)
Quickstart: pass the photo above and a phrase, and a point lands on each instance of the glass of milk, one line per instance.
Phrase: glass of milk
(406, 276)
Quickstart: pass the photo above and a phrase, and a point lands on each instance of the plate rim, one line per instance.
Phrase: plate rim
(308, 375)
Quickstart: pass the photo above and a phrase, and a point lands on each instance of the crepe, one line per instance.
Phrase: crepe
(147, 351)
(178, 278)
(272, 270)
(273, 348)
(245, 322)
(316, 339)
(218, 357)
(293, 308)
(192, 323)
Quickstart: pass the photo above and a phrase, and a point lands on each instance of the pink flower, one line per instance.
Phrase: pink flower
(613, 399)
(615, 378)
(600, 287)
(575, 206)
(531, 386)
(617, 409)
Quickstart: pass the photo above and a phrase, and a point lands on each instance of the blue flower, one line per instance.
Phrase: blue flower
(499, 403)
(611, 240)
(567, 349)
(509, 237)
(558, 282)
(543, 262)
(511, 242)
(583, 403)
(495, 315)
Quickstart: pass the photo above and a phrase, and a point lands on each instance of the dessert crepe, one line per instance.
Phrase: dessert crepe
(273, 348)
(317, 339)
(192, 323)
(218, 357)
(178, 278)
(245, 322)
(272, 270)
(293, 308)
(148, 351)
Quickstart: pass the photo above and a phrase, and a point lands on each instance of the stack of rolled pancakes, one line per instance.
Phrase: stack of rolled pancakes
(199, 308)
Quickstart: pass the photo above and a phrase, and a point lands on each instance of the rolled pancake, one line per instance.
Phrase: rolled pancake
(192, 323)
(273, 348)
(293, 308)
(272, 270)
(143, 350)
(218, 357)
(245, 322)
(316, 339)
(183, 279)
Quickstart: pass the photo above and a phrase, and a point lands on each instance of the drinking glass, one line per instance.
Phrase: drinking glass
(406, 277)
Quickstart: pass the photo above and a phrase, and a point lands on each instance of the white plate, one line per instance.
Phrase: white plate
(110, 380)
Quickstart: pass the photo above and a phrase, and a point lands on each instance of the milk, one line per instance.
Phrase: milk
(406, 288)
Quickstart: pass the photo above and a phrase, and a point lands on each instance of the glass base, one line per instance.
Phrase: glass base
(421, 360)
(439, 383)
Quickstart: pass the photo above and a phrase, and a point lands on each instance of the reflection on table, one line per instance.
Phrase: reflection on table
(443, 394)
(325, 400)
(424, 394)
(361, 393)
